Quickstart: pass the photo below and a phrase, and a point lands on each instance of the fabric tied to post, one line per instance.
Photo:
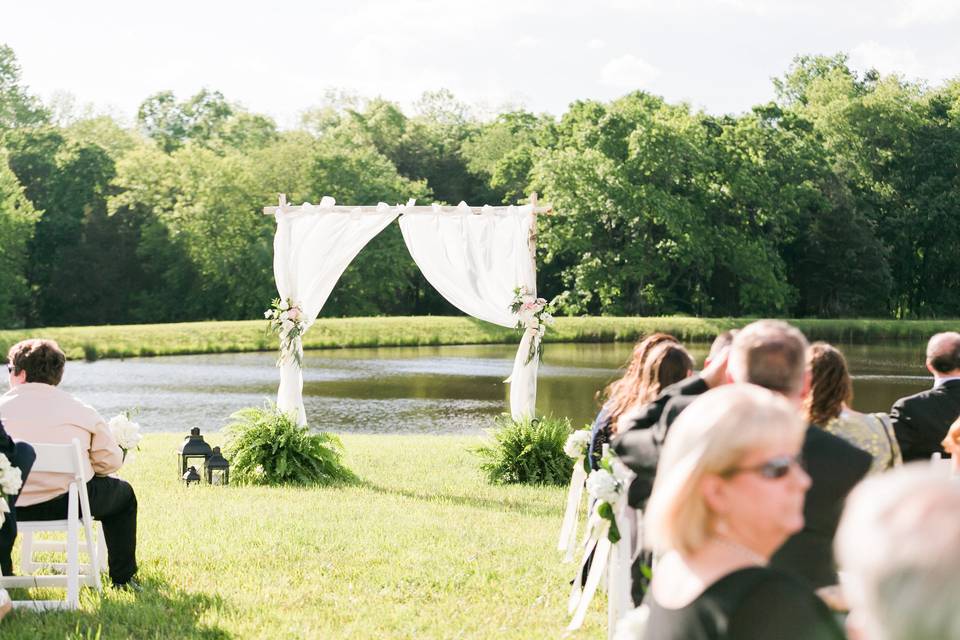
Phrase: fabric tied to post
(598, 546)
(568, 530)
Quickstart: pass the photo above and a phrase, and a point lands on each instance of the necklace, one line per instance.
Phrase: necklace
(744, 551)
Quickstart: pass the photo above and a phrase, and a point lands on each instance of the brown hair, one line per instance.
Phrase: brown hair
(667, 363)
(623, 393)
(42, 360)
(830, 385)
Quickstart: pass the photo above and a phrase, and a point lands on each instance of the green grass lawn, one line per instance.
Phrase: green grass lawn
(121, 341)
(422, 547)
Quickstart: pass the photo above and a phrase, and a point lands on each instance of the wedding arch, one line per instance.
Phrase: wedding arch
(475, 257)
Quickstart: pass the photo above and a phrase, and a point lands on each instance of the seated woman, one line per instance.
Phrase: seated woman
(658, 361)
(828, 406)
(728, 492)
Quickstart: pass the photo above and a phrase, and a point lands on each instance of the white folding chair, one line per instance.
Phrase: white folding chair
(67, 460)
(946, 465)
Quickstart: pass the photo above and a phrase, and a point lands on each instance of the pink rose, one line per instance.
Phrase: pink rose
(293, 314)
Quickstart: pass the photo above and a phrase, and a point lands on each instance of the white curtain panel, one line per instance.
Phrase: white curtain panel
(475, 261)
(311, 249)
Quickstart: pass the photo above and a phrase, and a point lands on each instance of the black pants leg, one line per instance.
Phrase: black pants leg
(114, 504)
(22, 458)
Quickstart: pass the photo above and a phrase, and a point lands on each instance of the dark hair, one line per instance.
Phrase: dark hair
(623, 393)
(668, 363)
(830, 384)
(943, 352)
(42, 360)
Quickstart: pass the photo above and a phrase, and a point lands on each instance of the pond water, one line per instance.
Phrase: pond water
(449, 390)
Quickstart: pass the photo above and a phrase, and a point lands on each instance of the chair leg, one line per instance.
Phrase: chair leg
(102, 551)
(73, 551)
(27, 566)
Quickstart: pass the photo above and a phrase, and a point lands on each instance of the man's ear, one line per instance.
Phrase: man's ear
(807, 383)
(930, 368)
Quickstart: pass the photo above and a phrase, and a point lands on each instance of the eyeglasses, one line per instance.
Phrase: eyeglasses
(9, 368)
(772, 469)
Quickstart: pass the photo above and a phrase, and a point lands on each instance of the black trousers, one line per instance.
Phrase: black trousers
(22, 456)
(114, 504)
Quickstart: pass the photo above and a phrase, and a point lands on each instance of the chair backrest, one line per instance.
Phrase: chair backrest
(944, 465)
(59, 458)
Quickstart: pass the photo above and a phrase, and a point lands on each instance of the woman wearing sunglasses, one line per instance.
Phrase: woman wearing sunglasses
(729, 490)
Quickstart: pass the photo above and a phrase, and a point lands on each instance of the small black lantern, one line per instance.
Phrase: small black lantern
(193, 448)
(191, 476)
(216, 468)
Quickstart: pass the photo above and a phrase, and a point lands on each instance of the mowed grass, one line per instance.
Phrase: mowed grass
(121, 341)
(422, 547)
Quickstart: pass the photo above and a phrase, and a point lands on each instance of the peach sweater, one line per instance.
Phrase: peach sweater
(42, 414)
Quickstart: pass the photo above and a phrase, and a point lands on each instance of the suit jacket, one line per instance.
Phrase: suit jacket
(834, 466)
(921, 421)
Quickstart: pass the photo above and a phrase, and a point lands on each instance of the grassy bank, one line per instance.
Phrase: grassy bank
(249, 335)
(423, 547)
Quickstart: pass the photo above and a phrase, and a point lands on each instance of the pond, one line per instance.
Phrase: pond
(444, 390)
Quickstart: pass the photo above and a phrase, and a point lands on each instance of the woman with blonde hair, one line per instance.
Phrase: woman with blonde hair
(828, 406)
(729, 491)
(658, 361)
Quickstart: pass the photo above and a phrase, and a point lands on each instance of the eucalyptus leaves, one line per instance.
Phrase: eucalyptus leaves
(606, 489)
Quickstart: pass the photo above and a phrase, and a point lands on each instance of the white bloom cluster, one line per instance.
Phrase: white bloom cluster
(603, 486)
(577, 443)
(10, 480)
(126, 432)
(633, 624)
(10, 483)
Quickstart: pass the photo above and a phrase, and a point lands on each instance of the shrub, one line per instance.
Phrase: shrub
(527, 451)
(267, 447)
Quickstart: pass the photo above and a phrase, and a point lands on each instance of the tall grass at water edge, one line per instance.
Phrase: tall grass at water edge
(123, 341)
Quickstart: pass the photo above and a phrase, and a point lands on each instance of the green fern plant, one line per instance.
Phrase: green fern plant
(267, 447)
(527, 451)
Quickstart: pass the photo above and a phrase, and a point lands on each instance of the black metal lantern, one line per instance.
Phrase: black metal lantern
(191, 476)
(216, 468)
(193, 448)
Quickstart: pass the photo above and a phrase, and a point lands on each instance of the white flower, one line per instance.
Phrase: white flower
(603, 486)
(577, 443)
(268, 314)
(632, 624)
(4, 508)
(125, 432)
(10, 478)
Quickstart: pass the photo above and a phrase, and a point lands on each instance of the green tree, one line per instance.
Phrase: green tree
(17, 107)
(17, 220)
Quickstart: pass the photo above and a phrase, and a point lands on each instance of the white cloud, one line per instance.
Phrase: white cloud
(887, 59)
(911, 13)
(628, 72)
(529, 42)
(596, 43)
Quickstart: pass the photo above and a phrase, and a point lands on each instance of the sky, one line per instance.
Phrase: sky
(283, 57)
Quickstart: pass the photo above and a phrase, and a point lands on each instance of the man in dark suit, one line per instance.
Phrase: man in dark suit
(921, 420)
(21, 456)
(770, 354)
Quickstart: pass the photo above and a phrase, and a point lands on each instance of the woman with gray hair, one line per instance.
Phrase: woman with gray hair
(899, 547)
(729, 490)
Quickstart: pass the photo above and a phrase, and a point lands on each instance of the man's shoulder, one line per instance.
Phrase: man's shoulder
(41, 397)
(821, 446)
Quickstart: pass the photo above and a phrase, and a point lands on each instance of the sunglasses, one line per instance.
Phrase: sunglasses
(9, 368)
(772, 469)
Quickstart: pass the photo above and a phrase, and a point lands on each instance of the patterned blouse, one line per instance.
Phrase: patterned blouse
(872, 432)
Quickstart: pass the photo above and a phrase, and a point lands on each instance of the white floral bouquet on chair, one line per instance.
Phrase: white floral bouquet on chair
(10, 483)
(126, 432)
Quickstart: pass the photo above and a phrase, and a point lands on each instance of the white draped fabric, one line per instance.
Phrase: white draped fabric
(476, 262)
(312, 248)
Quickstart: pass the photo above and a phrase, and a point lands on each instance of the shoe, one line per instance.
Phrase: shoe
(133, 585)
(5, 604)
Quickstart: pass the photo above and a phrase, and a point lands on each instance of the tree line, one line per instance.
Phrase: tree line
(837, 198)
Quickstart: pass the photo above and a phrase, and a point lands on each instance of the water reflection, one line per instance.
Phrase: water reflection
(411, 389)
